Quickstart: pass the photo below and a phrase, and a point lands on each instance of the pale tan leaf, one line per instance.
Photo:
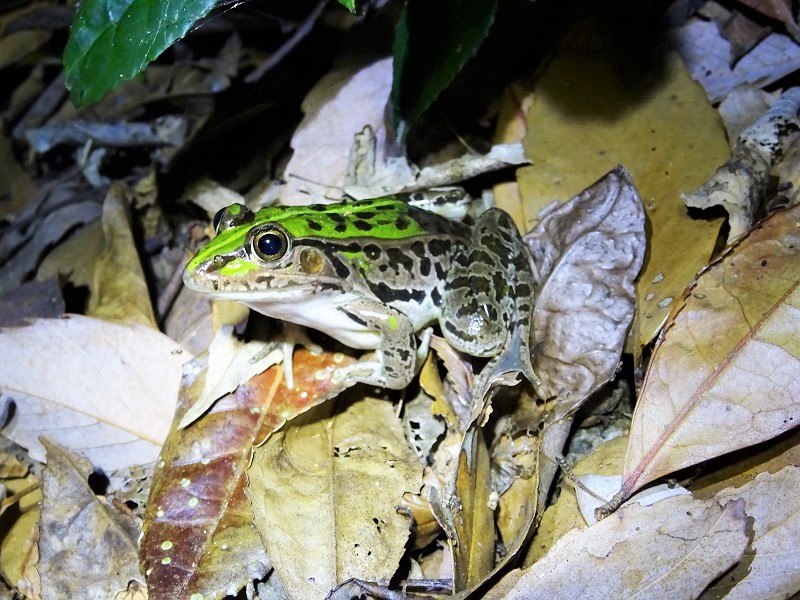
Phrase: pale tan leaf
(325, 496)
(770, 569)
(726, 375)
(70, 565)
(323, 139)
(672, 549)
(119, 289)
(18, 550)
(588, 253)
(103, 390)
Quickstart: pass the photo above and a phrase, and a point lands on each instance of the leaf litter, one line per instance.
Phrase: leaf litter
(476, 492)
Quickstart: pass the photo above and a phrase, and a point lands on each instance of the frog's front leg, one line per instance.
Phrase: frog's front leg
(393, 364)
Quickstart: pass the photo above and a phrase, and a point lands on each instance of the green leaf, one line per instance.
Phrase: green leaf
(433, 42)
(349, 5)
(112, 40)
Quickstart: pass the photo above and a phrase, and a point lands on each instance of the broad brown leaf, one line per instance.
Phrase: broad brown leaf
(198, 533)
(726, 374)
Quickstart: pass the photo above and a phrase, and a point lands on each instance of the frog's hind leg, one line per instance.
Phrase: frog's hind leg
(488, 301)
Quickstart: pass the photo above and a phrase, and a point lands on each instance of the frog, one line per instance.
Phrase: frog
(376, 275)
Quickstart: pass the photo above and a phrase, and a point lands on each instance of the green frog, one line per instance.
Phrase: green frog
(375, 275)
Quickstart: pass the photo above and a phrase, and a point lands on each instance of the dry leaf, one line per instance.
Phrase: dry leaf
(18, 549)
(708, 57)
(198, 535)
(741, 108)
(465, 511)
(323, 139)
(588, 252)
(586, 118)
(103, 390)
(71, 565)
(231, 362)
(726, 374)
(769, 569)
(325, 497)
(742, 184)
(119, 290)
(672, 549)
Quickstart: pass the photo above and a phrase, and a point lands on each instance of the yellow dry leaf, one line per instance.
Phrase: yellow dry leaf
(587, 117)
(119, 290)
(325, 497)
(726, 375)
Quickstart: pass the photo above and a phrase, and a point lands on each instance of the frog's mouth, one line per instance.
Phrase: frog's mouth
(261, 289)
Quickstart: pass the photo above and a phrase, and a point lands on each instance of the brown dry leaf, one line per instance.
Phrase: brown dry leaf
(325, 497)
(465, 511)
(769, 568)
(588, 253)
(74, 258)
(726, 374)
(198, 535)
(586, 118)
(780, 10)
(744, 182)
(103, 390)
(119, 288)
(71, 565)
(672, 549)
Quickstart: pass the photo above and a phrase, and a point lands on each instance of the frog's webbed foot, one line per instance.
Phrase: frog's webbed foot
(393, 365)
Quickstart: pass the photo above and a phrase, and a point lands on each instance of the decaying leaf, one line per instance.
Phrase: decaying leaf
(87, 547)
(231, 362)
(768, 569)
(588, 253)
(672, 549)
(103, 390)
(119, 288)
(325, 497)
(741, 185)
(198, 535)
(726, 373)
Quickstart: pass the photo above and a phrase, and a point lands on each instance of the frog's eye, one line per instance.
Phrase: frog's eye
(270, 244)
(218, 218)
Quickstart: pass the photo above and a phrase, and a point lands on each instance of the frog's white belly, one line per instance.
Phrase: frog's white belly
(322, 312)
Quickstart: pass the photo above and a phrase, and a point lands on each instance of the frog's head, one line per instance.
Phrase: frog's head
(281, 251)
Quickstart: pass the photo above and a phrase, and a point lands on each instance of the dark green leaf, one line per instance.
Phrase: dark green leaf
(112, 40)
(433, 42)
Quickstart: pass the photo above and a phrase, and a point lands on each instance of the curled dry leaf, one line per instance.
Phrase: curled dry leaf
(588, 253)
(741, 185)
(198, 535)
(465, 512)
(103, 390)
(672, 549)
(770, 571)
(70, 565)
(726, 373)
(325, 497)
